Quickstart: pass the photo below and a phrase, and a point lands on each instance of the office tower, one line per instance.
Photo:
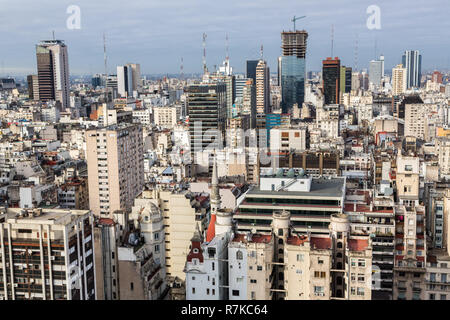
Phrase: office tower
(249, 102)
(331, 80)
(33, 87)
(115, 167)
(239, 85)
(207, 111)
(125, 81)
(412, 61)
(345, 79)
(34, 241)
(262, 87)
(136, 76)
(229, 81)
(97, 81)
(399, 80)
(376, 71)
(293, 68)
(251, 69)
(53, 71)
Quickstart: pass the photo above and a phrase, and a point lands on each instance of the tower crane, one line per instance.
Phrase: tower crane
(295, 19)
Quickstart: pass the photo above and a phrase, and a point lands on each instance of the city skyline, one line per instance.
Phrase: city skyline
(157, 37)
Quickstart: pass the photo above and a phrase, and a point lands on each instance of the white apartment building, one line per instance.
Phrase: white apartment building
(287, 139)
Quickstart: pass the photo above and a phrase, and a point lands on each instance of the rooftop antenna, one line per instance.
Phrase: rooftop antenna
(375, 48)
(295, 19)
(227, 58)
(53, 33)
(205, 69)
(181, 69)
(104, 54)
(356, 53)
(332, 40)
(262, 52)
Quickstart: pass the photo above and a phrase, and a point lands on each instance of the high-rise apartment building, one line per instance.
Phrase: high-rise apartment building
(34, 241)
(262, 87)
(412, 61)
(398, 80)
(331, 71)
(293, 68)
(53, 71)
(115, 167)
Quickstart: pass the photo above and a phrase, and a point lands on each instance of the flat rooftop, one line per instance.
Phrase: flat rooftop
(322, 187)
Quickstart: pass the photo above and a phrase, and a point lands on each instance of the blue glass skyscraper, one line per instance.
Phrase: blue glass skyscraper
(293, 69)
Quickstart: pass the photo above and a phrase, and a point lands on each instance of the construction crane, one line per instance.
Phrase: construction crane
(295, 19)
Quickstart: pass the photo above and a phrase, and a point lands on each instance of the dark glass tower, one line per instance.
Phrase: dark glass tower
(293, 68)
(331, 71)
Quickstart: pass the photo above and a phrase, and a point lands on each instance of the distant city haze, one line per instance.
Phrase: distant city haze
(157, 34)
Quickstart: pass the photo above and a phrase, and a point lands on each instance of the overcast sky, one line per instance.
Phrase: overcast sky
(157, 33)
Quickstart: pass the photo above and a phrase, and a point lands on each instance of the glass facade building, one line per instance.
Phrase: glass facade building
(292, 81)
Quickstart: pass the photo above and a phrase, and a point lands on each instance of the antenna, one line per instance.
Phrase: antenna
(53, 33)
(104, 54)
(205, 69)
(227, 58)
(375, 47)
(181, 69)
(332, 39)
(356, 53)
(262, 52)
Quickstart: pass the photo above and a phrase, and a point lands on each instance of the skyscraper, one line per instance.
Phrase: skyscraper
(125, 80)
(207, 115)
(262, 87)
(412, 61)
(376, 71)
(346, 79)
(251, 69)
(53, 71)
(293, 69)
(331, 71)
(399, 82)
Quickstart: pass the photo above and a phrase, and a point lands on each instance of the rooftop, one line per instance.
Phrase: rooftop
(322, 187)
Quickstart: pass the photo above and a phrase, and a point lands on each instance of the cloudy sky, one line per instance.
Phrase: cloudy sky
(157, 33)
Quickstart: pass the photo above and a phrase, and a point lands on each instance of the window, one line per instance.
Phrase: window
(193, 290)
(444, 277)
(353, 277)
(360, 291)
(207, 291)
(443, 297)
(353, 291)
(361, 278)
(213, 291)
(280, 232)
(433, 277)
(213, 281)
(300, 257)
(193, 278)
(235, 293)
(361, 263)
(156, 236)
(213, 266)
(339, 245)
(252, 280)
(319, 291)
(131, 286)
(319, 261)
(253, 295)
(239, 255)
(259, 268)
(156, 248)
